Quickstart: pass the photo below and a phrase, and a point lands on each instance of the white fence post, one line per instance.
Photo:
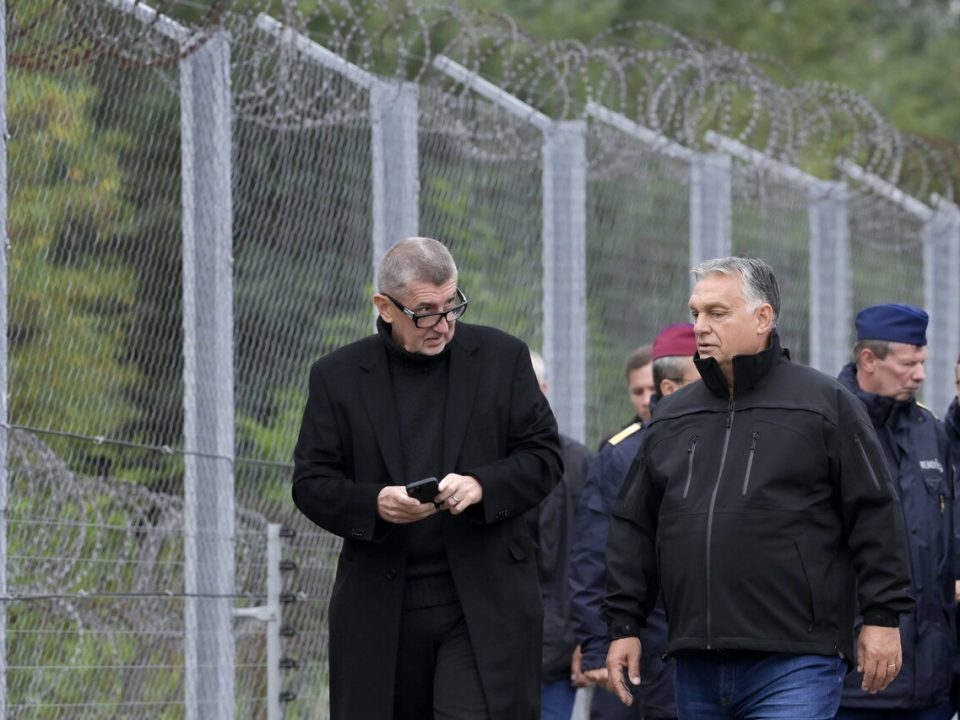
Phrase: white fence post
(565, 271)
(205, 125)
(941, 270)
(710, 207)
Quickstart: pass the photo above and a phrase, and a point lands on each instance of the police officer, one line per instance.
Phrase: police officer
(886, 374)
(672, 366)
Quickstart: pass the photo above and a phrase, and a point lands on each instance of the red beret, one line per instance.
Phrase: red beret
(676, 340)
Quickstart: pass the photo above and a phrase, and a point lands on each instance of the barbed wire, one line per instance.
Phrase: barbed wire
(672, 84)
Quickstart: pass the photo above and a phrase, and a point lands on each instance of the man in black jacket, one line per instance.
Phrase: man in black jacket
(759, 501)
(435, 610)
(552, 524)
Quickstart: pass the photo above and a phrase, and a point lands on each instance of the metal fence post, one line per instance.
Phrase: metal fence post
(565, 271)
(710, 207)
(831, 289)
(206, 113)
(4, 358)
(396, 176)
(941, 280)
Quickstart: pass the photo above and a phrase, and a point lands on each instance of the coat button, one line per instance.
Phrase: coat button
(391, 574)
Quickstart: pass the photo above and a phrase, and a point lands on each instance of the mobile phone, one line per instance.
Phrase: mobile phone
(424, 490)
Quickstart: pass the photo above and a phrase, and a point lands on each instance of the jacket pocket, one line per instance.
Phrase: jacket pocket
(753, 450)
(691, 451)
(811, 597)
(522, 548)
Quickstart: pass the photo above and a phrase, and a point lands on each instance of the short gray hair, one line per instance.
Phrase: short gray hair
(759, 283)
(415, 259)
(669, 367)
(880, 348)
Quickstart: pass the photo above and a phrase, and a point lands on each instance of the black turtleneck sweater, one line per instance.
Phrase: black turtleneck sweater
(420, 394)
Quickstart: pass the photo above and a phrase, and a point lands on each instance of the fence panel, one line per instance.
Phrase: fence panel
(638, 261)
(770, 221)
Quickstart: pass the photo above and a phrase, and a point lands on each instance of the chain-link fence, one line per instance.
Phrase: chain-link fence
(196, 200)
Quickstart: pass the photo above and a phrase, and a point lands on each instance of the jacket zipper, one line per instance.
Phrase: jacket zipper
(713, 502)
(866, 461)
(753, 449)
(690, 452)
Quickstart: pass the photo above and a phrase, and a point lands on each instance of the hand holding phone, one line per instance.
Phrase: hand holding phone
(424, 490)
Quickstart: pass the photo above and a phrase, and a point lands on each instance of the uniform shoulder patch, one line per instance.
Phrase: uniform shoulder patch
(924, 407)
(624, 434)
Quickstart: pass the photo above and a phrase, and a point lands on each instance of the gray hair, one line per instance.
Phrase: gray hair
(415, 259)
(880, 348)
(759, 283)
(669, 367)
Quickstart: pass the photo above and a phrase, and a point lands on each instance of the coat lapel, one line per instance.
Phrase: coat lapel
(377, 393)
(462, 385)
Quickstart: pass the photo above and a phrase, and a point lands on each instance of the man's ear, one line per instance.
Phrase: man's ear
(866, 360)
(764, 318)
(667, 387)
(384, 307)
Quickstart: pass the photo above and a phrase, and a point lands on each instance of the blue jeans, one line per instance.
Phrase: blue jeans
(937, 712)
(754, 685)
(556, 700)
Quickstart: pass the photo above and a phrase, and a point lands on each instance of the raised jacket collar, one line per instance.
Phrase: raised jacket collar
(748, 370)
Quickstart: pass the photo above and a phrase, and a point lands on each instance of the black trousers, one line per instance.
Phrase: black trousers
(437, 676)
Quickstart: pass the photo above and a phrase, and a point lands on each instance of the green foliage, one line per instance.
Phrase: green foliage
(70, 295)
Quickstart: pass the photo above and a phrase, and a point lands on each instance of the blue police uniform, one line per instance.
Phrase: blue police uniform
(655, 698)
(917, 454)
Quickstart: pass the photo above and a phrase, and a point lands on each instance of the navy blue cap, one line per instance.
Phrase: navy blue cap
(893, 322)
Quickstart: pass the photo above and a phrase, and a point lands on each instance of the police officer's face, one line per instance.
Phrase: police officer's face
(421, 297)
(640, 386)
(724, 324)
(899, 375)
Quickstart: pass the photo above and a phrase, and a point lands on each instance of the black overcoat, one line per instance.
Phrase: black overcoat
(499, 428)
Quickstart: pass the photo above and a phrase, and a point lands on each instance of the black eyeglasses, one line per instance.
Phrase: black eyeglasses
(428, 320)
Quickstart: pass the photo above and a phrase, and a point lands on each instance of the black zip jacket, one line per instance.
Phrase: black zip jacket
(767, 514)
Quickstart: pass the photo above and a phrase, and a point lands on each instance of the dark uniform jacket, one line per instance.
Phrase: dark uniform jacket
(918, 458)
(499, 428)
(758, 509)
(656, 696)
(553, 522)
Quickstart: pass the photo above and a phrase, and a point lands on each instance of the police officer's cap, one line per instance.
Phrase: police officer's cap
(893, 322)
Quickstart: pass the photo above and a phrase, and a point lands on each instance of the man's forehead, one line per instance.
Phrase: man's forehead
(717, 289)
(907, 351)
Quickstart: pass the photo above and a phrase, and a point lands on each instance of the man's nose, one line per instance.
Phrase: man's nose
(920, 374)
(442, 325)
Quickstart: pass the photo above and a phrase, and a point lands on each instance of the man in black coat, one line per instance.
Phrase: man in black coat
(435, 610)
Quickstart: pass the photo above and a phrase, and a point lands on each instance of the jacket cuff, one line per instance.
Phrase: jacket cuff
(881, 617)
(621, 628)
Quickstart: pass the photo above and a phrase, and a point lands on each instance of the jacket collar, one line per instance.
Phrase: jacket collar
(376, 391)
(748, 370)
(882, 410)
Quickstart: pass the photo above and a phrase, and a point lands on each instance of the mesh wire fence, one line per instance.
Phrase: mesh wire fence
(770, 221)
(638, 260)
(95, 520)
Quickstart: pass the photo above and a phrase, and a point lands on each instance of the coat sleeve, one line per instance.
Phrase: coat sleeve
(533, 463)
(633, 584)
(872, 518)
(322, 487)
